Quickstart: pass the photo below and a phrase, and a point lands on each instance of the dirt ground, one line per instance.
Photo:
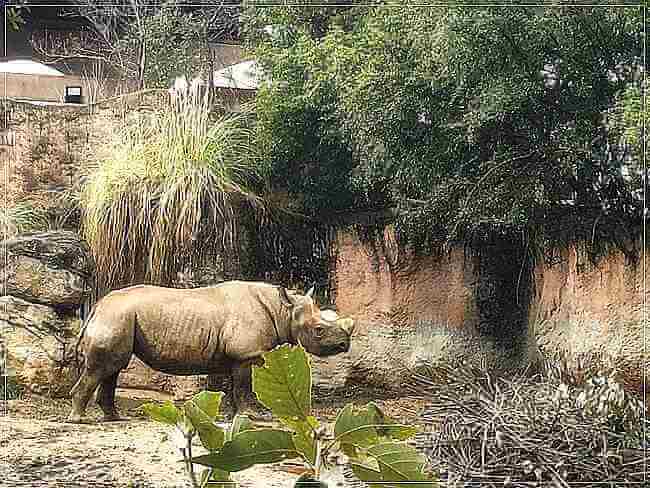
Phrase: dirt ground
(40, 449)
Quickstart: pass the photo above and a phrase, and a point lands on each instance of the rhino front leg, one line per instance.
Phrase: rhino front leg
(244, 399)
(106, 398)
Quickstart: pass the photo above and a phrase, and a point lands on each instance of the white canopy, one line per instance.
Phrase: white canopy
(243, 76)
(28, 67)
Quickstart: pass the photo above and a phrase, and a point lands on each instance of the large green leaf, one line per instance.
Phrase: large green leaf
(263, 446)
(304, 436)
(399, 462)
(387, 427)
(367, 475)
(239, 424)
(283, 384)
(367, 426)
(212, 437)
(166, 413)
(208, 401)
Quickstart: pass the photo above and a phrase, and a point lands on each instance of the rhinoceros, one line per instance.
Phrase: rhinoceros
(217, 329)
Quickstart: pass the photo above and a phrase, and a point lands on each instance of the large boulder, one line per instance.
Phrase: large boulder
(39, 344)
(47, 277)
(50, 268)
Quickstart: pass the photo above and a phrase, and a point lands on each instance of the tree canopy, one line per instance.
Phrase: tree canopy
(470, 121)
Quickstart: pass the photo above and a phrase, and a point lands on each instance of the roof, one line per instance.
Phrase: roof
(242, 76)
(28, 67)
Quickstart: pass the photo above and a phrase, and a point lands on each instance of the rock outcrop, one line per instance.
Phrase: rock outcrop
(47, 276)
(51, 268)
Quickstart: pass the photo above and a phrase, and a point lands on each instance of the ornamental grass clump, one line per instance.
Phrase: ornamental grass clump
(525, 430)
(22, 217)
(168, 189)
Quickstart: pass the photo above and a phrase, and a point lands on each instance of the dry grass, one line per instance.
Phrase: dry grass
(528, 431)
(23, 217)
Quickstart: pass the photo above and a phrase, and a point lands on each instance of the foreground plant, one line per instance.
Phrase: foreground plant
(374, 444)
(196, 416)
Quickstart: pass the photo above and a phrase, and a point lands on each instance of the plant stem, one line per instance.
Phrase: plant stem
(318, 462)
(188, 463)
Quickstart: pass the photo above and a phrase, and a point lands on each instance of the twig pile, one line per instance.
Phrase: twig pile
(531, 431)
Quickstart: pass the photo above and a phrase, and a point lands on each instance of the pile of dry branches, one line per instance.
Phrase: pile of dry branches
(531, 431)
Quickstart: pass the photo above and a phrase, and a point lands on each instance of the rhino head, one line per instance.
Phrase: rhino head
(322, 333)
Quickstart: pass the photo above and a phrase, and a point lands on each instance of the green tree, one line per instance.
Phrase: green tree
(14, 15)
(472, 121)
(153, 42)
(174, 43)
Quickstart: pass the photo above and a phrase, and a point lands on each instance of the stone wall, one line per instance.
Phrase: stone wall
(56, 144)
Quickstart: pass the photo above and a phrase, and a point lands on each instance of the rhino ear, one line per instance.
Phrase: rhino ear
(289, 300)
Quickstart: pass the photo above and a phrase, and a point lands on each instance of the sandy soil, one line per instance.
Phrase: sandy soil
(40, 449)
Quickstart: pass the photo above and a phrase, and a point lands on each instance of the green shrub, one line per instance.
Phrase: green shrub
(374, 444)
(23, 217)
(167, 190)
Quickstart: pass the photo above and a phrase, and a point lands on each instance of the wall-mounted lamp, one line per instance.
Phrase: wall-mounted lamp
(72, 94)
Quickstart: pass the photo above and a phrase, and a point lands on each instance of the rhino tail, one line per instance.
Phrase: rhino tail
(80, 336)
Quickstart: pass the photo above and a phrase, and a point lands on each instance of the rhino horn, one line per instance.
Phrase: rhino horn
(347, 325)
(310, 293)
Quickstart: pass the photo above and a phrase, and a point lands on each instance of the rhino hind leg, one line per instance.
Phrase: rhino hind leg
(106, 398)
(100, 368)
(81, 393)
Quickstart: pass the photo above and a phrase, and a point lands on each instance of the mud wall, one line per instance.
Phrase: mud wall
(485, 306)
(594, 312)
(412, 310)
